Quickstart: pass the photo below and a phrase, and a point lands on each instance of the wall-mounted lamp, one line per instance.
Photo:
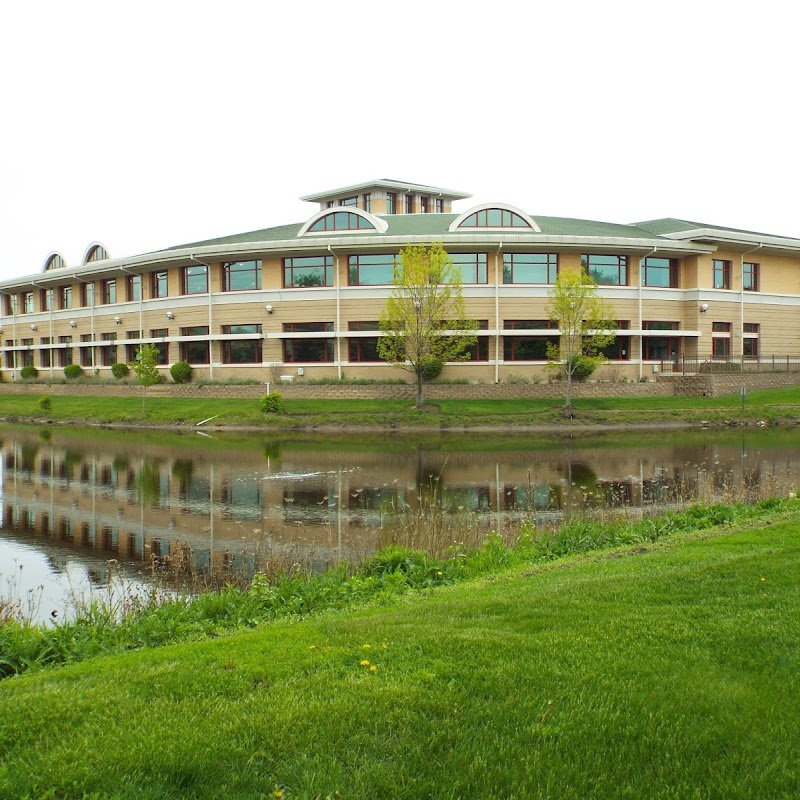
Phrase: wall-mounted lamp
(33, 326)
(704, 308)
(118, 320)
(73, 324)
(268, 309)
(170, 315)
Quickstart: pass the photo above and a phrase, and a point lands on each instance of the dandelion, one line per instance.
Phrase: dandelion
(277, 793)
(364, 663)
(367, 646)
(373, 668)
(312, 647)
(763, 579)
(439, 573)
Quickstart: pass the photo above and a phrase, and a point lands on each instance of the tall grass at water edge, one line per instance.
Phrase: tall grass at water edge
(158, 618)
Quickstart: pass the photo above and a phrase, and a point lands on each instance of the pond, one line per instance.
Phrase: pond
(89, 511)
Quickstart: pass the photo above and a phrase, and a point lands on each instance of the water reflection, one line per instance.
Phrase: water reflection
(238, 502)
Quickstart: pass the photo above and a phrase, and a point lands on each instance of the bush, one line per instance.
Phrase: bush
(73, 371)
(181, 372)
(431, 368)
(28, 373)
(120, 371)
(45, 403)
(272, 403)
(582, 367)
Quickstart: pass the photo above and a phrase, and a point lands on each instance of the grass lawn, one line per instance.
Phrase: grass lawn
(768, 405)
(666, 672)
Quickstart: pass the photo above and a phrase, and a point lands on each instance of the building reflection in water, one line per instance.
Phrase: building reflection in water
(134, 500)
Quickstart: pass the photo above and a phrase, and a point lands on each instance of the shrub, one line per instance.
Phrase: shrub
(431, 368)
(120, 371)
(582, 367)
(181, 372)
(28, 373)
(272, 403)
(73, 371)
(45, 403)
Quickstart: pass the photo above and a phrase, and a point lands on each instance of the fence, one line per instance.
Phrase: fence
(694, 365)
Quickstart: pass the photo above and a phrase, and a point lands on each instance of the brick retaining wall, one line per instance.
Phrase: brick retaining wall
(693, 385)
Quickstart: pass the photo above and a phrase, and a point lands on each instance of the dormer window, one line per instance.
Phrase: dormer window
(341, 221)
(97, 253)
(494, 218)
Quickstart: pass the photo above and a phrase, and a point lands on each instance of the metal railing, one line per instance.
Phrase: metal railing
(699, 365)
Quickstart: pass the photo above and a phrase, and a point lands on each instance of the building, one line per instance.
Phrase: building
(303, 300)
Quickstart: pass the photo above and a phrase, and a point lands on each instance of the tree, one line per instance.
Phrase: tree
(146, 369)
(587, 325)
(425, 301)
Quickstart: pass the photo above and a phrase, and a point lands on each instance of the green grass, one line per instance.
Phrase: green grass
(660, 671)
(770, 405)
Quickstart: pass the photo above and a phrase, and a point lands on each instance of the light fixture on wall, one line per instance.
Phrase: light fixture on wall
(33, 326)
(268, 309)
(73, 324)
(118, 320)
(704, 308)
(170, 315)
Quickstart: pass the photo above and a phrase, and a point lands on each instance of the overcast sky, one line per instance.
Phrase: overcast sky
(149, 124)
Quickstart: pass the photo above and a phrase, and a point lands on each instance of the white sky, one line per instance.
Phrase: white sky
(149, 124)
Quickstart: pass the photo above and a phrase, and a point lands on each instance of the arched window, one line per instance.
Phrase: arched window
(494, 218)
(54, 261)
(341, 221)
(97, 253)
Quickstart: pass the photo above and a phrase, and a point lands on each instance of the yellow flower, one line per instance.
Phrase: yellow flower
(364, 663)
(278, 794)
(440, 573)
(312, 647)
(367, 646)
(763, 579)
(373, 668)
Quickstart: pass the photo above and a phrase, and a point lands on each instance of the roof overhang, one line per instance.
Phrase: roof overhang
(388, 184)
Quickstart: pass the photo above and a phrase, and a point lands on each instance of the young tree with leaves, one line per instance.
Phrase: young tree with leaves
(426, 301)
(587, 325)
(145, 367)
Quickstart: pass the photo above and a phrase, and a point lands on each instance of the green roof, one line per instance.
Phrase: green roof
(672, 225)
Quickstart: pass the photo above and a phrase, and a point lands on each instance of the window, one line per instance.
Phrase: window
(108, 352)
(721, 339)
(162, 347)
(660, 348)
(45, 353)
(606, 270)
(721, 274)
(133, 288)
(349, 201)
(528, 348)
(366, 203)
(26, 357)
(240, 276)
(97, 253)
(46, 300)
(196, 352)
(391, 203)
(494, 218)
(87, 353)
(194, 280)
(55, 262)
(530, 267)
(11, 305)
(241, 351)
(363, 349)
(65, 351)
(471, 266)
(65, 297)
(87, 294)
(371, 270)
(159, 286)
(660, 272)
(619, 349)
(751, 277)
(424, 205)
(308, 350)
(109, 291)
(341, 221)
(307, 271)
(480, 350)
(750, 336)
(409, 203)
(439, 205)
(27, 302)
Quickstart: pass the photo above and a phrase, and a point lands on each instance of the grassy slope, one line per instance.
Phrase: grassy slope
(674, 673)
(768, 404)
